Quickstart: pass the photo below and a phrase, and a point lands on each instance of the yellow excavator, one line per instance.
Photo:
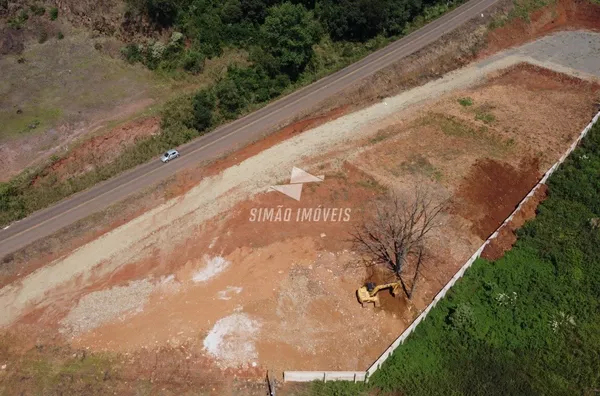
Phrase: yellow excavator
(368, 293)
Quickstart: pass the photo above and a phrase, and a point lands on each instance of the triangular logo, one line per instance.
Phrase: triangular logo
(293, 191)
(301, 176)
(298, 178)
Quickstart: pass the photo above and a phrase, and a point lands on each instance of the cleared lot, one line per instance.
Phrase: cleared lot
(281, 295)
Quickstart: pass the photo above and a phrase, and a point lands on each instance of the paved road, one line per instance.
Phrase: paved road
(46, 222)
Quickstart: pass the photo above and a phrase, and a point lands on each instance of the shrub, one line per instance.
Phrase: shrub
(11, 202)
(60, 35)
(163, 12)
(485, 116)
(53, 13)
(132, 53)
(156, 50)
(204, 104)
(193, 61)
(18, 21)
(466, 102)
(231, 99)
(179, 111)
(176, 40)
(461, 317)
(37, 9)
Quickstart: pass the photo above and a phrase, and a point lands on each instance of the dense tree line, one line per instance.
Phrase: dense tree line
(527, 324)
(280, 36)
(287, 43)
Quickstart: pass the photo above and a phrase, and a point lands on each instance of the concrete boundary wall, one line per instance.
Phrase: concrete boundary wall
(306, 376)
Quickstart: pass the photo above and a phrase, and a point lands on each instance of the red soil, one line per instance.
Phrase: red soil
(564, 15)
(492, 190)
(506, 236)
(537, 78)
(99, 150)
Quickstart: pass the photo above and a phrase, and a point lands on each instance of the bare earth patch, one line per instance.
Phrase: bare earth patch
(281, 295)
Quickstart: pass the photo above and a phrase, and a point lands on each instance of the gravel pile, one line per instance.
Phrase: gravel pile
(232, 340)
(103, 306)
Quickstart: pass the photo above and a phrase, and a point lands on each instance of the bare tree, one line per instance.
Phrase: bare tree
(395, 235)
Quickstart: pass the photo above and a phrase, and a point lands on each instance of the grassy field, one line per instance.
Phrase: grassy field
(62, 81)
(527, 324)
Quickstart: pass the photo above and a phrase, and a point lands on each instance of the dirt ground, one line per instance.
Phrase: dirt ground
(560, 16)
(506, 235)
(280, 295)
(230, 297)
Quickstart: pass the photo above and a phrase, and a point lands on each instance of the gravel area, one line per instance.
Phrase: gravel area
(170, 224)
(100, 307)
(578, 50)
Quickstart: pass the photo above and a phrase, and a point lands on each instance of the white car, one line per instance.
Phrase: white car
(169, 155)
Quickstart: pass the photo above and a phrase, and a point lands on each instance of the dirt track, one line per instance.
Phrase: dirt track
(291, 285)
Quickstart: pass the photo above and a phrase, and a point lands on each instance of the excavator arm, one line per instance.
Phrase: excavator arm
(394, 286)
(368, 292)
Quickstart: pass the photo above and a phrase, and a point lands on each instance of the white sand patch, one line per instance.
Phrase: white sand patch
(229, 292)
(231, 340)
(167, 279)
(213, 266)
(167, 285)
(99, 307)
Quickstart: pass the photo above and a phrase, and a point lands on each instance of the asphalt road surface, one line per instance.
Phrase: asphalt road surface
(47, 221)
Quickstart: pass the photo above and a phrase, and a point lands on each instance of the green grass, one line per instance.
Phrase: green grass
(526, 324)
(52, 369)
(418, 164)
(449, 125)
(67, 81)
(53, 13)
(30, 120)
(486, 117)
(522, 9)
(466, 101)
(484, 114)
(372, 184)
(454, 127)
(380, 136)
(17, 21)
